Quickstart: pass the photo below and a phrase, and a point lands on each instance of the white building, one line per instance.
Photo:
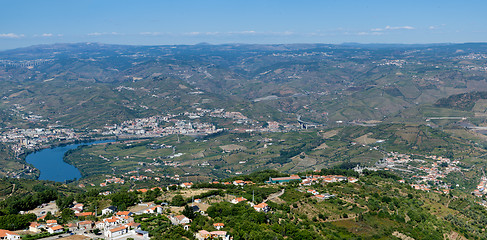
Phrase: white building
(108, 210)
(114, 232)
(179, 219)
(55, 229)
(6, 234)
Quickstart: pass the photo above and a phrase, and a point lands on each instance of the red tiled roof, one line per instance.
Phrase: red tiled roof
(133, 224)
(180, 217)
(3, 233)
(84, 214)
(57, 227)
(240, 199)
(261, 205)
(118, 229)
(123, 213)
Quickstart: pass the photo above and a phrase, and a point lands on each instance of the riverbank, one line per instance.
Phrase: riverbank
(51, 165)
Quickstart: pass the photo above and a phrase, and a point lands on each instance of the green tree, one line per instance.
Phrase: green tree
(188, 212)
(178, 200)
(64, 202)
(122, 200)
(67, 214)
(16, 221)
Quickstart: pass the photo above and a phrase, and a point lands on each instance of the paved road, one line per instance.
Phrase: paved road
(275, 195)
(56, 237)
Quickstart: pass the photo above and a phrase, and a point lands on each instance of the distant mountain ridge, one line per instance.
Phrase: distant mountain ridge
(322, 83)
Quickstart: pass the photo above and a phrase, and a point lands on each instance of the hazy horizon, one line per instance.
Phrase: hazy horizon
(30, 22)
(239, 43)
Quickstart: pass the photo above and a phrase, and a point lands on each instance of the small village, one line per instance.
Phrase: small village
(155, 126)
(113, 223)
(425, 174)
(186, 123)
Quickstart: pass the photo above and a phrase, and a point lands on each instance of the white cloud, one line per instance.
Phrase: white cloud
(103, 33)
(202, 33)
(151, 33)
(11, 35)
(243, 33)
(47, 35)
(369, 33)
(392, 28)
(433, 27)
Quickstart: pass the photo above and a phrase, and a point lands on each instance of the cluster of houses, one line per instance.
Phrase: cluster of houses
(121, 180)
(121, 223)
(118, 224)
(424, 172)
(202, 234)
(31, 138)
(319, 196)
(218, 233)
(261, 207)
(150, 127)
(50, 226)
(114, 180)
(424, 187)
(312, 179)
(481, 187)
(236, 183)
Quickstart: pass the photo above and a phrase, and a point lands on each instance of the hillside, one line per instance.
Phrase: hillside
(465, 101)
(374, 205)
(322, 83)
(231, 154)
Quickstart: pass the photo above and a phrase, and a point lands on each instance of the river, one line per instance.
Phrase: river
(51, 164)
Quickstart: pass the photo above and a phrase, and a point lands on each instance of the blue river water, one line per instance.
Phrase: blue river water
(50, 162)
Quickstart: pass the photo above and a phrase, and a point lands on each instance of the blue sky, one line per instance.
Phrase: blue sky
(159, 22)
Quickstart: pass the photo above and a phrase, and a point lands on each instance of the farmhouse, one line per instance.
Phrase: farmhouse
(238, 200)
(6, 234)
(284, 179)
(55, 229)
(179, 219)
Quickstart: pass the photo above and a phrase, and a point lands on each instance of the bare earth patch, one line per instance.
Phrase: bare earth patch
(51, 207)
(193, 192)
(232, 147)
(365, 139)
(330, 134)
(454, 236)
(401, 236)
(75, 237)
(322, 146)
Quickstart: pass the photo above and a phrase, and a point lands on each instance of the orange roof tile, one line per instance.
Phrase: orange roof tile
(57, 227)
(118, 229)
(123, 213)
(261, 205)
(84, 214)
(3, 233)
